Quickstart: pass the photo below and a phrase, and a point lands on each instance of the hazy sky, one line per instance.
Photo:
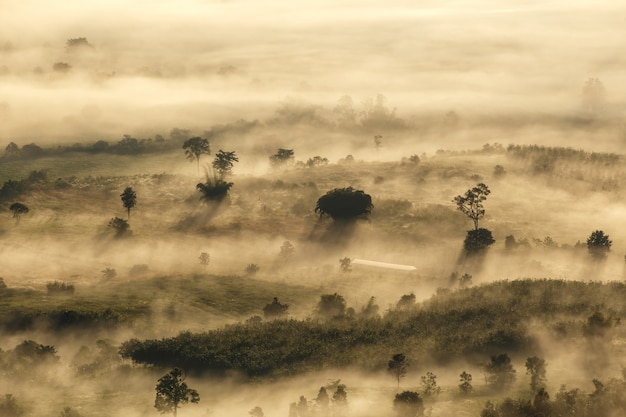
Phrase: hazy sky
(159, 62)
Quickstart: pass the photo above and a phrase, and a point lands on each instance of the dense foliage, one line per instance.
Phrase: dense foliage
(477, 321)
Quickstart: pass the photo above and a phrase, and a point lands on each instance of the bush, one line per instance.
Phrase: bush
(478, 240)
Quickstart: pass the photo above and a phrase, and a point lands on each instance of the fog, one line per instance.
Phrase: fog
(423, 99)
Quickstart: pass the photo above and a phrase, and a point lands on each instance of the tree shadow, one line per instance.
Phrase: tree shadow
(335, 234)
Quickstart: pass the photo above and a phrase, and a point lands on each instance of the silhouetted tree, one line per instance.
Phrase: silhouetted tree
(108, 273)
(172, 392)
(322, 402)
(466, 383)
(408, 404)
(370, 311)
(120, 226)
(214, 188)
(204, 258)
(406, 302)
(536, 368)
(75, 44)
(224, 162)
(282, 157)
(478, 240)
(500, 372)
(330, 306)
(18, 210)
(471, 204)
(398, 366)
(599, 244)
(345, 264)
(429, 385)
(12, 151)
(275, 309)
(129, 199)
(344, 204)
(340, 400)
(196, 147)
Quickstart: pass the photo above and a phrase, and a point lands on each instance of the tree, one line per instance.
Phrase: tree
(370, 311)
(471, 204)
(224, 162)
(287, 250)
(204, 258)
(129, 199)
(121, 227)
(408, 404)
(196, 147)
(594, 95)
(340, 400)
(108, 273)
(500, 372)
(345, 264)
(478, 240)
(466, 383)
(76, 44)
(275, 309)
(599, 244)
(406, 302)
(536, 368)
(12, 151)
(330, 306)
(18, 210)
(214, 188)
(172, 392)
(282, 157)
(398, 366)
(322, 402)
(429, 384)
(344, 204)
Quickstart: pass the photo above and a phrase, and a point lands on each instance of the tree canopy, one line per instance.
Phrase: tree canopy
(172, 391)
(196, 147)
(129, 199)
(471, 203)
(344, 204)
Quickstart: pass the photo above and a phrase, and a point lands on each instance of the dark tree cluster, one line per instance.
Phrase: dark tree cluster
(344, 204)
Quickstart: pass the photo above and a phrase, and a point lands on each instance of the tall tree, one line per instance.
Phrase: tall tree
(196, 147)
(172, 391)
(398, 366)
(536, 368)
(129, 199)
(471, 204)
(466, 383)
(500, 372)
(224, 162)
